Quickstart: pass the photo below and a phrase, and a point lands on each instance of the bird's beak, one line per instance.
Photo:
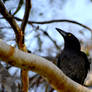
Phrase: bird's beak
(61, 32)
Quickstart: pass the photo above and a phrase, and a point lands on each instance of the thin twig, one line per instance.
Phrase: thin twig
(61, 20)
(54, 21)
(45, 33)
(5, 27)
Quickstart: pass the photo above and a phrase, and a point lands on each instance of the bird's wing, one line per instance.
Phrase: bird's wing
(87, 63)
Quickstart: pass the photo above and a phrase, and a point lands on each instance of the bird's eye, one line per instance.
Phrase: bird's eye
(69, 34)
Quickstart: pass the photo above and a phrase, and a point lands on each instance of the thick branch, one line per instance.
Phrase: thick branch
(40, 65)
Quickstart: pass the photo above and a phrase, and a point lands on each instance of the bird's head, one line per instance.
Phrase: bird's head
(70, 41)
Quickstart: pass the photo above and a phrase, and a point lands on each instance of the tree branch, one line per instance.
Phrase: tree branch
(19, 39)
(26, 15)
(41, 66)
(45, 33)
(13, 24)
(8, 17)
(54, 21)
(24, 73)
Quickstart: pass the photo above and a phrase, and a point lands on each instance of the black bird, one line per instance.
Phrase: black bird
(72, 61)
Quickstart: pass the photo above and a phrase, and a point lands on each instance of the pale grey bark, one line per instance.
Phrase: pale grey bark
(41, 66)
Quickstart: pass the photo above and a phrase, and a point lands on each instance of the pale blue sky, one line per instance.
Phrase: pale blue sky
(79, 10)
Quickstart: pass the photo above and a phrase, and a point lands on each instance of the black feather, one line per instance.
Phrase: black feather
(72, 61)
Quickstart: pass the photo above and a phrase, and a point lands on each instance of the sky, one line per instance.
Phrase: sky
(79, 10)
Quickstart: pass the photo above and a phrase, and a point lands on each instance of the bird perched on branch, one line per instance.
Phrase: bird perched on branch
(72, 61)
